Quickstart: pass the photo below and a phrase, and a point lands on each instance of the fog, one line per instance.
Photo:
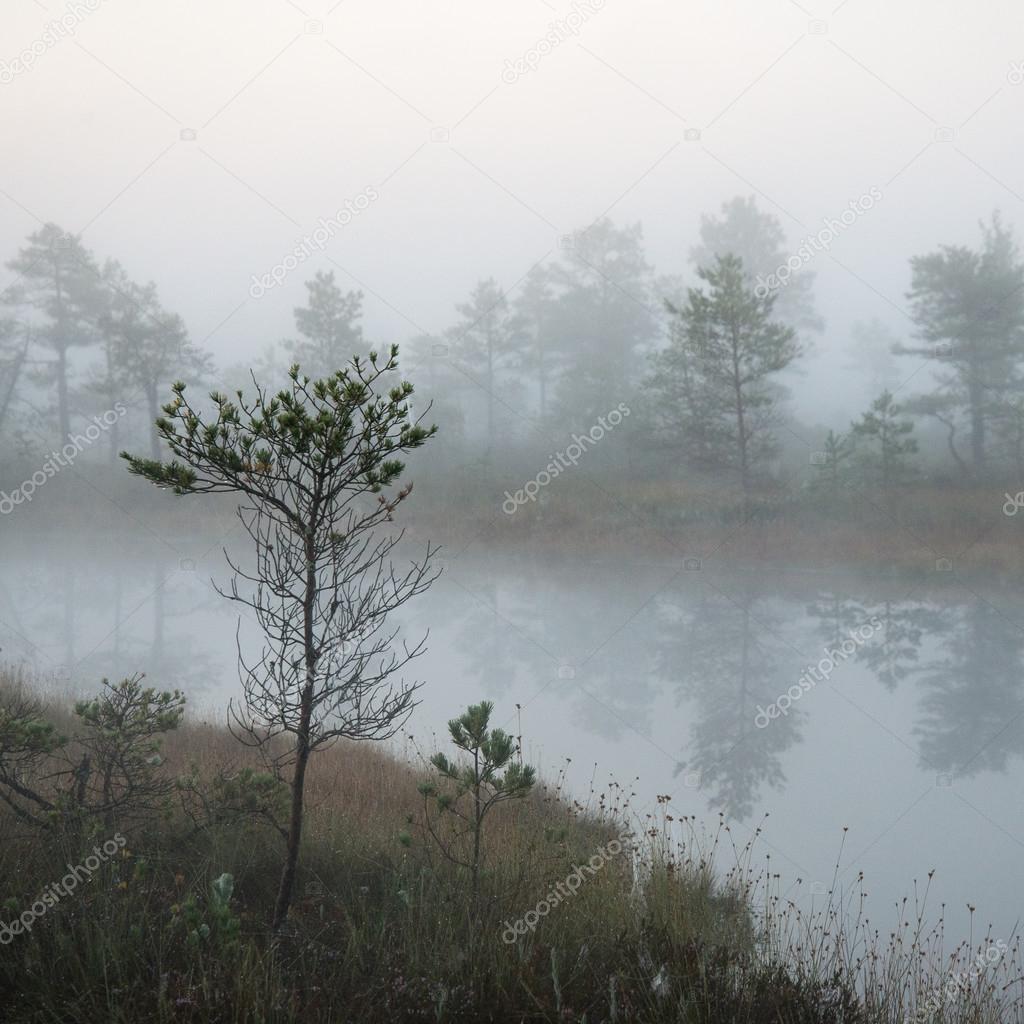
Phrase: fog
(634, 603)
(297, 108)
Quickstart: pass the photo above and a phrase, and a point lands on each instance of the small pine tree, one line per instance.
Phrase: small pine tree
(888, 438)
(305, 465)
(107, 770)
(835, 451)
(122, 730)
(491, 778)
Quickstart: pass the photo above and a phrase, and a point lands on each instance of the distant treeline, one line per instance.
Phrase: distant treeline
(529, 366)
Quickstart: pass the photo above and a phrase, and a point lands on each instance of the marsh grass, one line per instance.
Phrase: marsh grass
(680, 926)
(905, 531)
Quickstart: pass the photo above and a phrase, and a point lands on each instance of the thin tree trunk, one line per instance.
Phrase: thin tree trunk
(115, 441)
(740, 423)
(951, 443)
(542, 374)
(154, 412)
(490, 394)
(886, 472)
(977, 425)
(118, 590)
(62, 393)
(69, 619)
(744, 669)
(287, 885)
(17, 365)
(61, 345)
(476, 830)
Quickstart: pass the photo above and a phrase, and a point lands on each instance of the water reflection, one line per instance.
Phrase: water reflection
(893, 652)
(966, 658)
(77, 624)
(726, 657)
(971, 716)
(914, 740)
(626, 656)
(540, 633)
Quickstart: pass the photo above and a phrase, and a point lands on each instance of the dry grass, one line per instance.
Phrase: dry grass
(908, 531)
(383, 930)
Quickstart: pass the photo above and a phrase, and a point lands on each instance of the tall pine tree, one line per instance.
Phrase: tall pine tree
(58, 278)
(328, 326)
(715, 382)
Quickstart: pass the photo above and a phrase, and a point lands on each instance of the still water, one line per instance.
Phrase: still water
(664, 679)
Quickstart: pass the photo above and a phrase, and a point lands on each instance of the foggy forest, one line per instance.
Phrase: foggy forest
(511, 513)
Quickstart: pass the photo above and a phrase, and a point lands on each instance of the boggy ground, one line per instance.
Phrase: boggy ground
(585, 913)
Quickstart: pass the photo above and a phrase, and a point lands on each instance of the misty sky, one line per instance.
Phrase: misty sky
(298, 107)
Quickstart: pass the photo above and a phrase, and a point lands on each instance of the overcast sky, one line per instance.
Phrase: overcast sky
(647, 111)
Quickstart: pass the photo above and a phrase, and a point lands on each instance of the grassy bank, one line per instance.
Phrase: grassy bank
(915, 529)
(585, 911)
(929, 529)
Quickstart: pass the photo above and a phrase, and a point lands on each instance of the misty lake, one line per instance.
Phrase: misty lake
(657, 677)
